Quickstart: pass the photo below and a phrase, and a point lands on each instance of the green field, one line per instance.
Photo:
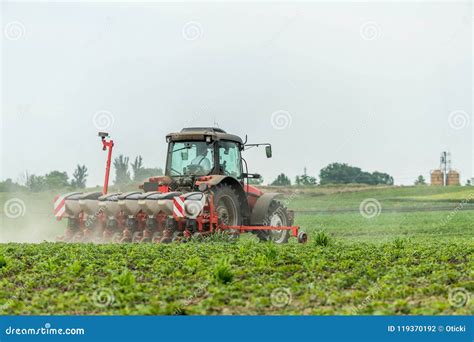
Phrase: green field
(385, 262)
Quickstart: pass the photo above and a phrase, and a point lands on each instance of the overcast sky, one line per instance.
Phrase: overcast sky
(384, 86)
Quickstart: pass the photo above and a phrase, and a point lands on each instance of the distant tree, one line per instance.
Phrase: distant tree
(282, 180)
(146, 173)
(35, 183)
(56, 180)
(365, 178)
(79, 177)
(141, 173)
(382, 178)
(337, 173)
(51, 181)
(468, 182)
(122, 175)
(305, 179)
(137, 167)
(9, 186)
(420, 180)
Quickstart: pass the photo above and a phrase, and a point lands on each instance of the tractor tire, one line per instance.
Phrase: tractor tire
(277, 216)
(227, 206)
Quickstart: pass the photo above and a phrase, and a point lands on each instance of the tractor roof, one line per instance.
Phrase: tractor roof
(200, 133)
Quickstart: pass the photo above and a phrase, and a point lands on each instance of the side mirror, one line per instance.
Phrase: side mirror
(268, 151)
(184, 155)
(251, 175)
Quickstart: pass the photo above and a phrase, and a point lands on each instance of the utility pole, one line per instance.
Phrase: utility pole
(445, 166)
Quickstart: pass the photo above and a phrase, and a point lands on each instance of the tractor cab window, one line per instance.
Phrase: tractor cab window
(190, 158)
(229, 159)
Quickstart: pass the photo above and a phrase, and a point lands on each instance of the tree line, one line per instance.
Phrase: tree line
(50, 181)
(56, 180)
(336, 173)
(127, 172)
(123, 175)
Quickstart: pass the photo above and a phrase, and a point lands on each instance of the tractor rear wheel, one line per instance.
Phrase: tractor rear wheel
(227, 206)
(276, 216)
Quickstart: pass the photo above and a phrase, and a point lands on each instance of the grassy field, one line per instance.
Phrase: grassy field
(365, 256)
(334, 198)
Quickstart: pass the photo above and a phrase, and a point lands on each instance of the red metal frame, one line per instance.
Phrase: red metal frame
(294, 229)
(214, 223)
(107, 145)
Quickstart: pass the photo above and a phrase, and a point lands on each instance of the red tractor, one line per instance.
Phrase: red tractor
(205, 190)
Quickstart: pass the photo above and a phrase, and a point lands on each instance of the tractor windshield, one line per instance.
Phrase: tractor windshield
(229, 159)
(190, 158)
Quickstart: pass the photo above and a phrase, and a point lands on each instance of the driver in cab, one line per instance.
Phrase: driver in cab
(201, 158)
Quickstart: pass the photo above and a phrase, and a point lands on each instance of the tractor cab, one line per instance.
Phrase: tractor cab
(198, 152)
(201, 151)
(204, 152)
